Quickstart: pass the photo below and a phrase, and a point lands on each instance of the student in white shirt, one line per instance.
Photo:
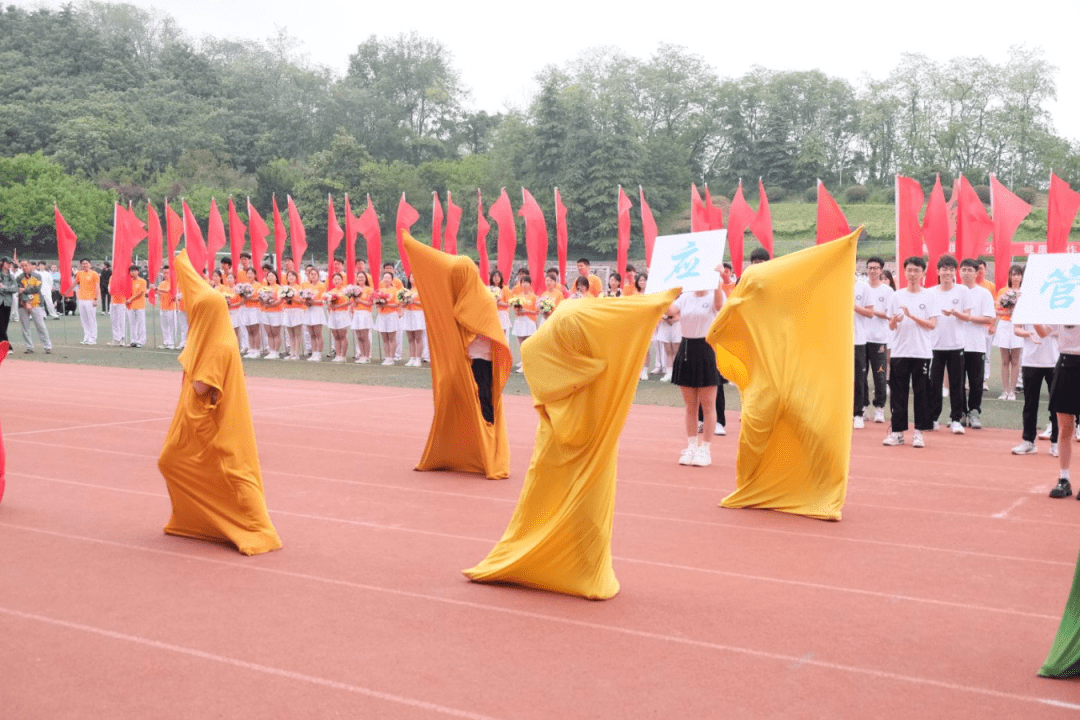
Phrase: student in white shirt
(977, 320)
(913, 314)
(1064, 396)
(877, 334)
(862, 316)
(1037, 360)
(948, 345)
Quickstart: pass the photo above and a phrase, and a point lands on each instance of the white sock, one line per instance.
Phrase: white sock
(1065, 475)
(692, 441)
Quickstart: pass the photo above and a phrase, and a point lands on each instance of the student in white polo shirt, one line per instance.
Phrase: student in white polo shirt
(948, 345)
(913, 314)
(1037, 360)
(862, 315)
(978, 318)
(1064, 396)
(878, 334)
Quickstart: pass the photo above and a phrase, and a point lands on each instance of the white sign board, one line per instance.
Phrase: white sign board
(688, 261)
(1050, 291)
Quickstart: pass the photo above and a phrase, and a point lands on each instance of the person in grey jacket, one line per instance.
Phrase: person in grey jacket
(8, 288)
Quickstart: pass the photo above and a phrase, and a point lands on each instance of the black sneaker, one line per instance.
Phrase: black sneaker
(1063, 490)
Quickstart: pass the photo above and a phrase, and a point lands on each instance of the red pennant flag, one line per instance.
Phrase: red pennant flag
(196, 246)
(831, 223)
(334, 235)
(935, 231)
(909, 201)
(1009, 211)
(65, 249)
(129, 232)
(215, 237)
(739, 219)
(954, 194)
(351, 229)
(259, 231)
(406, 218)
(368, 225)
(536, 237)
(973, 225)
(562, 235)
(236, 236)
(648, 226)
(453, 222)
(1061, 205)
(174, 228)
(714, 215)
(298, 236)
(482, 229)
(622, 252)
(761, 225)
(153, 251)
(699, 216)
(279, 237)
(436, 221)
(503, 215)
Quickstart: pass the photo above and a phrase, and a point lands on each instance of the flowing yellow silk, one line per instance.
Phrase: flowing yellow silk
(582, 367)
(210, 461)
(457, 308)
(785, 337)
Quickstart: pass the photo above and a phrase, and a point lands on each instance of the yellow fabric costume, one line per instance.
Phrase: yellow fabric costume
(210, 461)
(785, 337)
(458, 307)
(582, 367)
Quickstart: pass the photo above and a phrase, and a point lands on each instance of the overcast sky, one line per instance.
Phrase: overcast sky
(498, 48)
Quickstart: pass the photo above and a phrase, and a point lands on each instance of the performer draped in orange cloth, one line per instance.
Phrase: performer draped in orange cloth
(470, 361)
(210, 461)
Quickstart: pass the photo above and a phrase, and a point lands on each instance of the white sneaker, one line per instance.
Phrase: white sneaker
(1047, 433)
(1025, 448)
(644, 374)
(338, 359)
(1003, 396)
(936, 425)
(893, 438)
(1053, 450)
(879, 415)
(687, 455)
(387, 361)
(917, 440)
(365, 360)
(315, 357)
(667, 377)
(358, 360)
(957, 428)
(719, 430)
(273, 356)
(858, 424)
(1012, 396)
(657, 370)
(702, 457)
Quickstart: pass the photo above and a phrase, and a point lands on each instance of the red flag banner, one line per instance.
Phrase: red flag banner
(279, 237)
(368, 225)
(562, 236)
(259, 231)
(482, 229)
(761, 225)
(174, 228)
(215, 237)
(65, 249)
(236, 236)
(334, 235)
(648, 226)
(153, 251)
(1061, 205)
(713, 213)
(699, 216)
(909, 201)
(453, 222)
(298, 237)
(622, 252)
(351, 229)
(1008, 212)
(973, 225)
(739, 219)
(536, 237)
(196, 246)
(436, 221)
(503, 215)
(831, 223)
(935, 231)
(130, 231)
(406, 218)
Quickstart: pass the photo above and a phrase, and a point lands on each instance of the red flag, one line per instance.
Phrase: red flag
(153, 251)
(562, 235)
(406, 217)
(1009, 211)
(334, 235)
(699, 216)
(259, 231)
(714, 214)
(351, 229)
(368, 225)
(215, 237)
(973, 225)
(536, 237)
(831, 223)
(436, 221)
(935, 231)
(65, 249)
(761, 225)
(236, 236)
(174, 228)
(298, 236)
(453, 222)
(279, 237)
(739, 219)
(482, 229)
(196, 246)
(1061, 205)
(503, 215)
(909, 201)
(954, 194)
(129, 232)
(648, 226)
(622, 253)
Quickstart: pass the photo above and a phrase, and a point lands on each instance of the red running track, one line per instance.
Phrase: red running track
(937, 596)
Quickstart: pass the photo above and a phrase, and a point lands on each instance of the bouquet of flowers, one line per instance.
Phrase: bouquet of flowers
(546, 305)
(353, 291)
(244, 290)
(517, 302)
(1008, 299)
(404, 296)
(266, 295)
(615, 293)
(380, 297)
(307, 295)
(496, 292)
(332, 297)
(287, 293)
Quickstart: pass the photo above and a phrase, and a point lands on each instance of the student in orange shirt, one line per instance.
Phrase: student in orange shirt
(524, 313)
(629, 286)
(235, 302)
(337, 312)
(388, 267)
(315, 312)
(251, 316)
(244, 273)
(727, 279)
(584, 268)
(413, 324)
(552, 292)
(117, 312)
(88, 292)
(389, 321)
(502, 303)
(136, 308)
(362, 322)
(167, 311)
(1006, 339)
(293, 314)
(272, 309)
(614, 285)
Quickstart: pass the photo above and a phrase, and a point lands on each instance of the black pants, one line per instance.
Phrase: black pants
(953, 362)
(481, 371)
(916, 373)
(875, 363)
(973, 368)
(5, 319)
(105, 298)
(860, 379)
(721, 405)
(1033, 380)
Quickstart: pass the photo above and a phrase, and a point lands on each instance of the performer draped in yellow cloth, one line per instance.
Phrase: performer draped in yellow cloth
(462, 321)
(785, 337)
(582, 367)
(210, 461)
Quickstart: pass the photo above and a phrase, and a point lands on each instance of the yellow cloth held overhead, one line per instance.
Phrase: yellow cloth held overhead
(210, 461)
(457, 308)
(582, 367)
(785, 337)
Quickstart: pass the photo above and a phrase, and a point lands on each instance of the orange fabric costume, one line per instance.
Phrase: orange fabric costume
(457, 308)
(210, 461)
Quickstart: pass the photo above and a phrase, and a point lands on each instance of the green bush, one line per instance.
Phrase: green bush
(856, 193)
(1028, 194)
(983, 191)
(777, 193)
(811, 194)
